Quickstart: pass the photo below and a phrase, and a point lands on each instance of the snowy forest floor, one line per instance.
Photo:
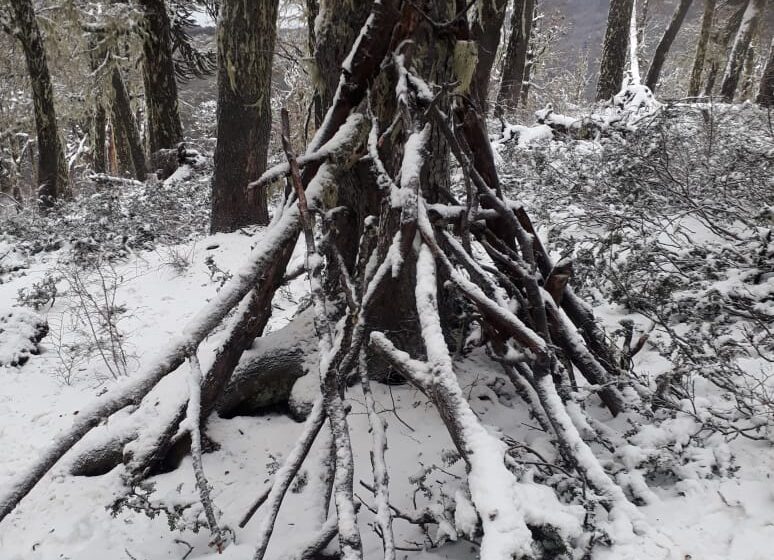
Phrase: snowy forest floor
(707, 466)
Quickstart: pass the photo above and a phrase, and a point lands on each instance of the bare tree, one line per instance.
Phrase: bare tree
(163, 119)
(765, 95)
(516, 54)
(747, 30)
(486, 25)
(246, 37)
(662, 49)
(52, 170)
(614, 52)
(701, 47)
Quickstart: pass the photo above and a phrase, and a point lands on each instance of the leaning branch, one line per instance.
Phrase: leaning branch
(192, 424)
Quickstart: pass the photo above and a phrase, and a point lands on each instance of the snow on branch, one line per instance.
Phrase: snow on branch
(192, 423)
(492, 485)
(381, 473)
(342, 145)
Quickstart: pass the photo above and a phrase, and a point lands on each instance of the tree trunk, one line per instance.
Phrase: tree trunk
(662, 49)
(747, 76)
(357, 193)
(163, 119)
(126, 126)
(701, 48)
(765, 95)
(99, 115)
(530, 63)
(747, 30)
(99, 137)
(246, 36)
(121, 160)
(515, 55)
(334, 35)
(52, 170)
(615, 49)
(312, 10)
(486, 25)
(720, 40)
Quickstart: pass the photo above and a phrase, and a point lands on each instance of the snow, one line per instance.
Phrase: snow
(181, 174)
(465, 515)
(19, 328)
(67, 516)
(526, 135)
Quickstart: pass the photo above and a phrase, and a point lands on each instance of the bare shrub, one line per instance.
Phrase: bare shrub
(89, 325)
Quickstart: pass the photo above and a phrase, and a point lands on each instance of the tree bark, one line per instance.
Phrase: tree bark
(615, 49)
(334, 36)
(515, 55)
(765, 95)
(747, 30)
(662, 49)
(126, 125)
(720, 40)
(747, 76)
(312, 10)
(246, 37)
(121, 160)
(161, 103)
(99, 115)
(485, 27)
(99, 137)
(701, 47)
(52, 170)
(529, 65)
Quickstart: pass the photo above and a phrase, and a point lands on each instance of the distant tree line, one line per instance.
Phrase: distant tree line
(246, 37)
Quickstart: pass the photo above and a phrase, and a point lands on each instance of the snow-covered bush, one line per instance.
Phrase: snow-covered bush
(672, 221)
(133, 216)
(20, 332)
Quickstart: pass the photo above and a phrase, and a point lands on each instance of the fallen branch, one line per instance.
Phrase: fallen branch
(192, 425)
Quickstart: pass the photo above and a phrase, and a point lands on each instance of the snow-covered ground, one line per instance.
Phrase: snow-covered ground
(66, 517)
(702, 495)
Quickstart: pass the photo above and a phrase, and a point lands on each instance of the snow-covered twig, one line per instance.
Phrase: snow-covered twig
(339, 146)
(381, 475)
(192, 423)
